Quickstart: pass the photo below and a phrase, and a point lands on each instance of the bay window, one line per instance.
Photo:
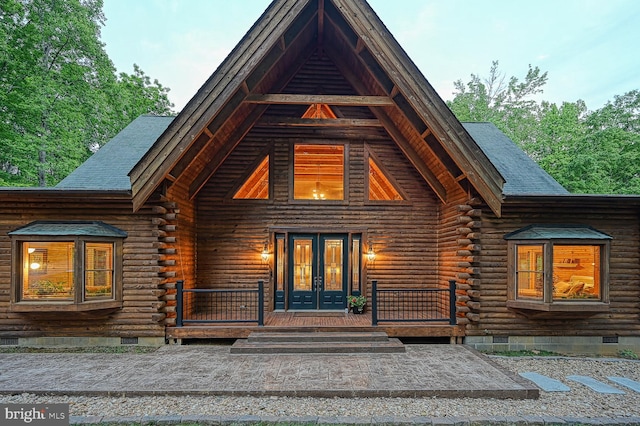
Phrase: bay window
(558, 268)
(66, 266)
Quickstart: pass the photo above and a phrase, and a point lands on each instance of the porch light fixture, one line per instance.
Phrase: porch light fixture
(265, 253)
(371, 255)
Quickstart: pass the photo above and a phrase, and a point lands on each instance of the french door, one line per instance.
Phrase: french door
(318, 271)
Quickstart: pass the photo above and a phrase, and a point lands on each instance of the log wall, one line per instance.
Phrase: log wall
(489, 298)
(140, 315)
(231, 233)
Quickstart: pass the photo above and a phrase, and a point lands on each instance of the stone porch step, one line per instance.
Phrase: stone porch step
(318, 336)
(317, 342)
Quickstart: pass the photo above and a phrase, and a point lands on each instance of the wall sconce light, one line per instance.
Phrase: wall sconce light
(265, 253)
(371, 255)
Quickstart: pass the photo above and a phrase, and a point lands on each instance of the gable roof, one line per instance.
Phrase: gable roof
(522, 175)
(251, 78)
(109, 167)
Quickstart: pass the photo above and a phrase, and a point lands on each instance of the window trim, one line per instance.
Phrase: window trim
(369, 156)
(345, 172)
(572, 307)
(267, 153)
(78, 303)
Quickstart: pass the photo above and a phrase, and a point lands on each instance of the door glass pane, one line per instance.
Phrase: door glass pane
(302, 264)
(530, 272)
(333, 265)
(47, 271)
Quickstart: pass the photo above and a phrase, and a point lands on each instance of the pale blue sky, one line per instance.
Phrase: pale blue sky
(590, 48)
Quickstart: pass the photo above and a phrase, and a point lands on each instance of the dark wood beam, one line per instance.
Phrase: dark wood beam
(344, 100)
(403, 143)
(224, 151)
(318, 122)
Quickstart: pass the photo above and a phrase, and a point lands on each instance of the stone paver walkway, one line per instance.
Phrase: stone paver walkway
(424, 370)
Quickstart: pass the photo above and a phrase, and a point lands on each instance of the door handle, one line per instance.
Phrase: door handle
(317, 283)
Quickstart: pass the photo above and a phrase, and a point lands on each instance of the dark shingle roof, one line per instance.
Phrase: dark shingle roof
(550, 232)
(523, 176)
(108, 169)
(50, 228)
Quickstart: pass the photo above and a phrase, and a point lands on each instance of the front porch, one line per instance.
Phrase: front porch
(299, 322)
(210, 314)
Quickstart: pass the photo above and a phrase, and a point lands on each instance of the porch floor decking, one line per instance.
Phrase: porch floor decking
(312, 321)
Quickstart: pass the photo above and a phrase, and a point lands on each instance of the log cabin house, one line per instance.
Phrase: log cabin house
(316, 163)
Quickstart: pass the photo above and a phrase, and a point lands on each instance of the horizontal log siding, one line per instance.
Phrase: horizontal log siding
(139, 316)
(231, 233)
(621, 222)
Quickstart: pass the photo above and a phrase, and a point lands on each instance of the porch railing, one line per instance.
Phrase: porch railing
(413, 305)
(200, 305)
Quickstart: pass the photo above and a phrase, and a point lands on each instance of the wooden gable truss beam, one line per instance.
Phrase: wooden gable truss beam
(340, 100)
(225, 149)
(390, 58)
(152, 169)
(386, 85)
(318, 122)
(405, 146)
(429, 177)
(253, 80)
(241, 131)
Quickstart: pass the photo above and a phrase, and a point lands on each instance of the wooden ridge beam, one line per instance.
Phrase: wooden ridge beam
(318, 122)
(343, 100)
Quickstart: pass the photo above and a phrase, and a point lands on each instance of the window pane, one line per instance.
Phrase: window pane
(333, 265)
(530, 272)
(280, 263)
(47, 271)
(318, 172)
(98, 264)
(380, 187)
(576, 272)
(355, 265)
(257, 185)
(302, 265)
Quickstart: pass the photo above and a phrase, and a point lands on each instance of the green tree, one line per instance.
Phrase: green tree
(59, 95)
(613, 143)
(587, 152)
(507, 103)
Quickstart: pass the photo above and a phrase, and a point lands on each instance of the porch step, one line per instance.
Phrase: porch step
(317, 342)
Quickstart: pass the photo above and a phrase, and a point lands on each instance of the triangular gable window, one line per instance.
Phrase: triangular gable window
(256, 187)
(380, 186)
(319, 111)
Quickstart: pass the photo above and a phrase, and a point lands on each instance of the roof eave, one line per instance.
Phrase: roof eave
(425, 101)
(148, 173)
